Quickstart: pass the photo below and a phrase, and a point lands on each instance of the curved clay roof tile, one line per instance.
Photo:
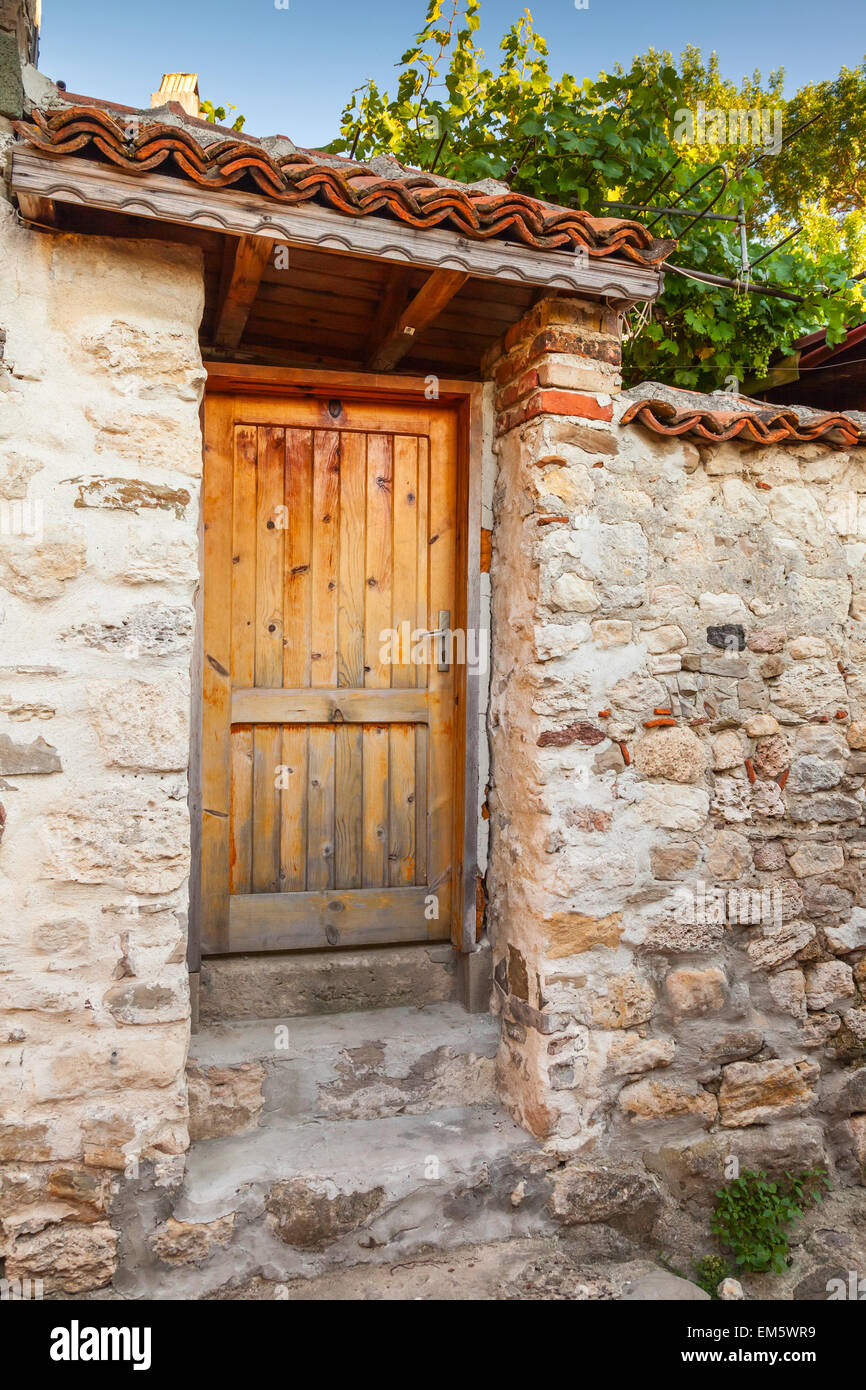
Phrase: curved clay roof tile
(355, 190)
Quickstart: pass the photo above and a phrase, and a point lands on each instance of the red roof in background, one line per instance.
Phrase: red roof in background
(721, 417)
(356, 190)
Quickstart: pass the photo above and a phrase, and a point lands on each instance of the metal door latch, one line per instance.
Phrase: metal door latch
(442, 633)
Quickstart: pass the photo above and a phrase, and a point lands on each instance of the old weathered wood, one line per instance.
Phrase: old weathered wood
(337, 706)
(296, 654)
(342, 544)
(247, 261)
(268, 627)
(321, 788)
(468, 734)
(349, 751)
(401, 752)
(273, 383)
(340, 917)
(41, 211)
(243, 581)
(216, 672)
(423, 623)
(437, 291)
(391, 303)
(170, 199)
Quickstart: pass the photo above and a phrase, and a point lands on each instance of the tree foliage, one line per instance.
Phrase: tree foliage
(593, 141)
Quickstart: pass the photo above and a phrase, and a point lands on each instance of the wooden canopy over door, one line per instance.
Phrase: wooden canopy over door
(331, 782)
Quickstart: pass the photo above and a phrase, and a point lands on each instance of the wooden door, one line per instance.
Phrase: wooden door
(330, 783)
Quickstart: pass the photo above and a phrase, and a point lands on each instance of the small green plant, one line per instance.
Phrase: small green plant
(753, 1215)
(218, 115)
(709, 1273)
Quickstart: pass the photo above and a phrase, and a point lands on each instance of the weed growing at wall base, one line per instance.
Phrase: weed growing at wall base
(754, 1215)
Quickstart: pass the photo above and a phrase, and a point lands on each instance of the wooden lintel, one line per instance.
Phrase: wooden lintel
(437, 291)
(246, 262)
(40, 211)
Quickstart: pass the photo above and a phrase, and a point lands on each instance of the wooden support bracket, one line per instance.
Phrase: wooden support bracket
(437, 291)
(242, 274)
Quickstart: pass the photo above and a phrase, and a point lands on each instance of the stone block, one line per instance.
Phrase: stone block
(67, 1258)
(224, 1100)
(584, 1193)
(755, 1093)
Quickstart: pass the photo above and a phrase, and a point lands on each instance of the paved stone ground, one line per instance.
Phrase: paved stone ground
(587, 1263)
(515, 1270)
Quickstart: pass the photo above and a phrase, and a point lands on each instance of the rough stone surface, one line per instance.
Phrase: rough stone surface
(310, 1220)
(590, 1192)
(697, 875)
(827, 983)
(758, 1092)
(692, 993)
(224, 1100)
(183, 1242)
(94, 861)
(67, 1258)
(675, 754)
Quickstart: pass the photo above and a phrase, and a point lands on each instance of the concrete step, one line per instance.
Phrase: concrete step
(340, 1066)
(293, 1200)
(325, 982)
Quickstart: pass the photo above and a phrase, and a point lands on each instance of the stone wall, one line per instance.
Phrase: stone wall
(19, 44)
(678, 710)
(100, 458)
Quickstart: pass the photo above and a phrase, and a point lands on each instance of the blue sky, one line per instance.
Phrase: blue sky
(290, 70)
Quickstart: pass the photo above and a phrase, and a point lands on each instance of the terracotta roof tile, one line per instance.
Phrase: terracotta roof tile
(673, 411)
(356, 190)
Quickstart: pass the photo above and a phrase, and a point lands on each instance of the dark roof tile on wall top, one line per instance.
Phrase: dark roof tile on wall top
(291, 176)
(720, 417)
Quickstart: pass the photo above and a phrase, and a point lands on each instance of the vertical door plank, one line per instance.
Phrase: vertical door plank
(377, 671)
(216, 667)
(349, 757)
(375, 821)
(377, 617)
(297, 616)
(442, 552)
(424, 621)
(401, 752)
(267, 740)
(243, 614)
(323, 636)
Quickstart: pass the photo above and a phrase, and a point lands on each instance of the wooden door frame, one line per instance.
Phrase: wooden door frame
(465, 398)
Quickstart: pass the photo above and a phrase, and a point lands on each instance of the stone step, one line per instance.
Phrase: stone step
(325, 982)
(291, 1200)
(340, 1066)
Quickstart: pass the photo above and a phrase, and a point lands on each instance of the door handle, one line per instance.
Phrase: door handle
(443, 658)
(442, 633)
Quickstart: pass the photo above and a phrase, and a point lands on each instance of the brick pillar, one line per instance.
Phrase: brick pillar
(555, 372)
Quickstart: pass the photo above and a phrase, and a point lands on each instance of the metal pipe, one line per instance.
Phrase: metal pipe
(733, 284)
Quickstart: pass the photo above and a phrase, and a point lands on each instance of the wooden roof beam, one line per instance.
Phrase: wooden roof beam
(245, 265)
(40, 211)
(170, 199)
(437, 291)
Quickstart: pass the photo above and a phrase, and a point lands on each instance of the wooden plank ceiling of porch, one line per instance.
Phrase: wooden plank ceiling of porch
(326, 308)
